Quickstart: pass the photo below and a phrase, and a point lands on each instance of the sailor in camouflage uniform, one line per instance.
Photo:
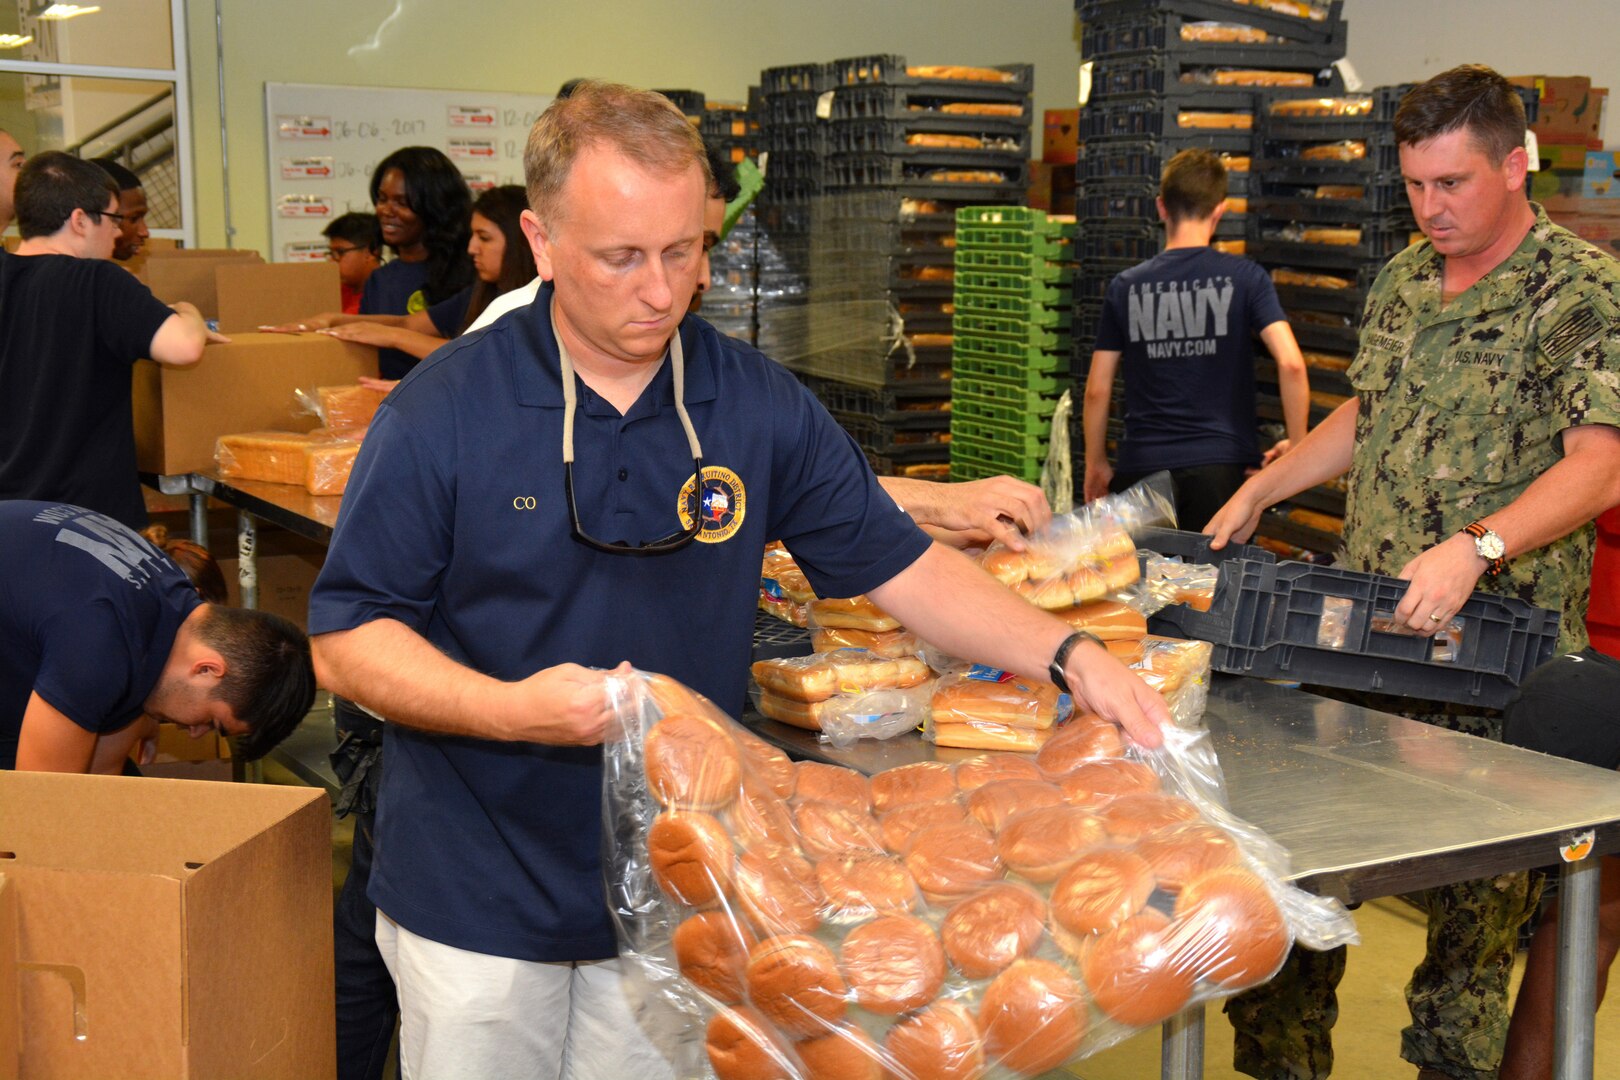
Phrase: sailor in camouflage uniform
(1487, 399)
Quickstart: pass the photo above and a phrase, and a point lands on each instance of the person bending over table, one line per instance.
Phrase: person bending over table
(99, 629)
(587, 484)
(1481, 443)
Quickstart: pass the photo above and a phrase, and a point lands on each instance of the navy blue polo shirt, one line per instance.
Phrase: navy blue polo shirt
(395, 288)
(455, 524)
(88, 615)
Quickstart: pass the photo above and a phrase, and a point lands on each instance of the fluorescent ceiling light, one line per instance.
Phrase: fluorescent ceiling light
(58, 12)
(15, 41)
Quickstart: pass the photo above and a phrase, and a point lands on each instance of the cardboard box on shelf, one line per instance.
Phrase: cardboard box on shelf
(1568, 109)
(175, 276)
(169, 928)
(287, 565)
(1601, 179)
(1060, 144)
(180, 757)
(244, 386)
(252, 295)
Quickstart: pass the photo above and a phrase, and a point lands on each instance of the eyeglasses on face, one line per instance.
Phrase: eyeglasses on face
(115, 215)
(335, 254)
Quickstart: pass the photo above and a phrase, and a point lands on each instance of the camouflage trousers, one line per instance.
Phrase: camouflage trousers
(1458, 996)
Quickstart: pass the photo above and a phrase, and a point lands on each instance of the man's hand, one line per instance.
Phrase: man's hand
(365, 333)
(1282, 447)
(1237, 520)
(1442, 579)
(566, 705)
(996, 508)
(1098, 477)
(1115, 693)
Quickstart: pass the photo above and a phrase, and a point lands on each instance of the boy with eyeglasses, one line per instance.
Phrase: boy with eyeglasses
(354, 242)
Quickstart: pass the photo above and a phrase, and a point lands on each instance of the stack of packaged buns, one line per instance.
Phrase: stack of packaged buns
(999, 916)
(784, 591)
(1066, 567)
(795, 690)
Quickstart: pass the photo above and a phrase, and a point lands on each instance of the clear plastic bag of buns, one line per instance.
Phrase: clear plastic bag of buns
(972, 915)
(1172, 580)
(784, 591)
(844, 719)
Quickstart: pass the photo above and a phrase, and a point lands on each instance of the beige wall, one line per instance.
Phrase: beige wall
(716, 46)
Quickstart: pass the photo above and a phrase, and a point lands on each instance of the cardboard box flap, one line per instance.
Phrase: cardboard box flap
(190, 276)
(63, 821)
(252, 295)
(99, 994)
(10, 1030)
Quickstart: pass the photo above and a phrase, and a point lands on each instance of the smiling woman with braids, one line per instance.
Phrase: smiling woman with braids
(424, 209)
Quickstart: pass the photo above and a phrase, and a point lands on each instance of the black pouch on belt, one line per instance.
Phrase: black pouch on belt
(357, 759)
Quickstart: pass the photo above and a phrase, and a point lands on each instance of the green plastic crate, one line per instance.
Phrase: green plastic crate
(972, 470)
(1006, 306)
(997, 459)
(1011, 330)
(998, 348)
(1014, 284)
(1024, 395)
(1059, 247)
(1014, 262)
(1006, 217)
(968, 430)
(1033, 413)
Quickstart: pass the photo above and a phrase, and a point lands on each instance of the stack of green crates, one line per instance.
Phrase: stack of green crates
(1010, 353)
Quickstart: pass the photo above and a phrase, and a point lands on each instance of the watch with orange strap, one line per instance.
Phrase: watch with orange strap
(1488, 546)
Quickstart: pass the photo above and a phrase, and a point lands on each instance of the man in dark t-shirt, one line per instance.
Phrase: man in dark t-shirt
(98, 628)
(71, 324)
(1181, 325)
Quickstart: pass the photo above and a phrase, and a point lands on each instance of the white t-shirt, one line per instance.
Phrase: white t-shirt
(505, 302)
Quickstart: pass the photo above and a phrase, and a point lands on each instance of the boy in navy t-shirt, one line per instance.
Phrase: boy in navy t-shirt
(1183, 326)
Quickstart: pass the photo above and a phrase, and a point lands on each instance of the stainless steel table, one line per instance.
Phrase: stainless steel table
(181, 484)
(1371, 805)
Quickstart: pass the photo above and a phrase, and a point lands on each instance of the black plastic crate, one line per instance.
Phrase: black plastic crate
(726, 125)
(795, 78)
(1091, 283)
(1118, 199)
(923, 103)
(1387, 101)
(1381, 240)
(793, 139)
(1161, 29)
(690, 102)
(1323, 379)
(1319, 128)
(1163, 73)
(1317, 336)
(1157, 116)
(890, 70)
(1293, 27)
(797, 107)
(1378, 198)
(1193, 547)
(1321, 499)
(900, 447)
(1114, 239)
(1277, 160)
(893, 137)
(1322, 625)
(1310, 298)
(914, 175)
(1145, 158)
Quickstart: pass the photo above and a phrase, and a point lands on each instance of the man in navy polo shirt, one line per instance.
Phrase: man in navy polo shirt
(98, 627)
(485, 574)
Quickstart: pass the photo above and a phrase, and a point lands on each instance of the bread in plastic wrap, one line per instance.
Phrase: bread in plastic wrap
(979, 919)
(1231, 33)
(854, 613)
(349, 406)
(1348, 106)
(1206, 120)
(327, 467)
(1343, 150)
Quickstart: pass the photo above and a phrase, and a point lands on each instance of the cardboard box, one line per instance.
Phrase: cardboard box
(180, 757)
(1060, 145)
(1568, 108)
(247, 385)
(1601, 179)
(10, 1020)
(252, 295)
(189, 276)
(168, 929)
(287, 566)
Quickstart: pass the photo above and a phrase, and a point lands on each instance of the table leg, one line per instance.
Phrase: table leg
(1181, 1052)
(199, 519)
(247, 562)
(1575, 1020)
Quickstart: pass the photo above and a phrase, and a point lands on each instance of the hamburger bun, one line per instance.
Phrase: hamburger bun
(1129, 818)
(691, 857)
(833, 783)
(711, 949)
(983, 769)
(942, 1042)
(899, 826)
(829, 829)
(794, 982)
(673, 697)
(994, 804)
(1087, 737)
(1135, 974)
(777, 890)
(1101, 891)
(1184, 852)
(1229, 929)
(893, 964)
(989, 930)
(925, 781)
(692, 763)
(984, 735)
(845, 1053)
(1005, 565)
(1098, 783)
(1015, 702)
(1038, 845)
(953, 861)
(1108, 619)
(766, 762)
(1049, 594)
(862, 885)
(1033, 1017)
(856, 613)
(742, 1045)
(758, 816)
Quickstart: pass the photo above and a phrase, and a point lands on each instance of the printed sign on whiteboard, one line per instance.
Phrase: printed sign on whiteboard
(480, 182)
(304, 127)
(306, 168)
(473, 116)
(305, 206)
(304, 251)
(472, 149)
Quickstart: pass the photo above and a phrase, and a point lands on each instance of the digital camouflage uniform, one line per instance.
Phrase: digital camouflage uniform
(1460, 409)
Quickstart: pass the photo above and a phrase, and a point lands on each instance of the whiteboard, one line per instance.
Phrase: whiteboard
(324, 142)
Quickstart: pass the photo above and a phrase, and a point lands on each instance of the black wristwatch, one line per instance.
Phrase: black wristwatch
(1054, 670)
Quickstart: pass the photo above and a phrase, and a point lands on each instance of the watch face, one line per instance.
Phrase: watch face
(1489, 546)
